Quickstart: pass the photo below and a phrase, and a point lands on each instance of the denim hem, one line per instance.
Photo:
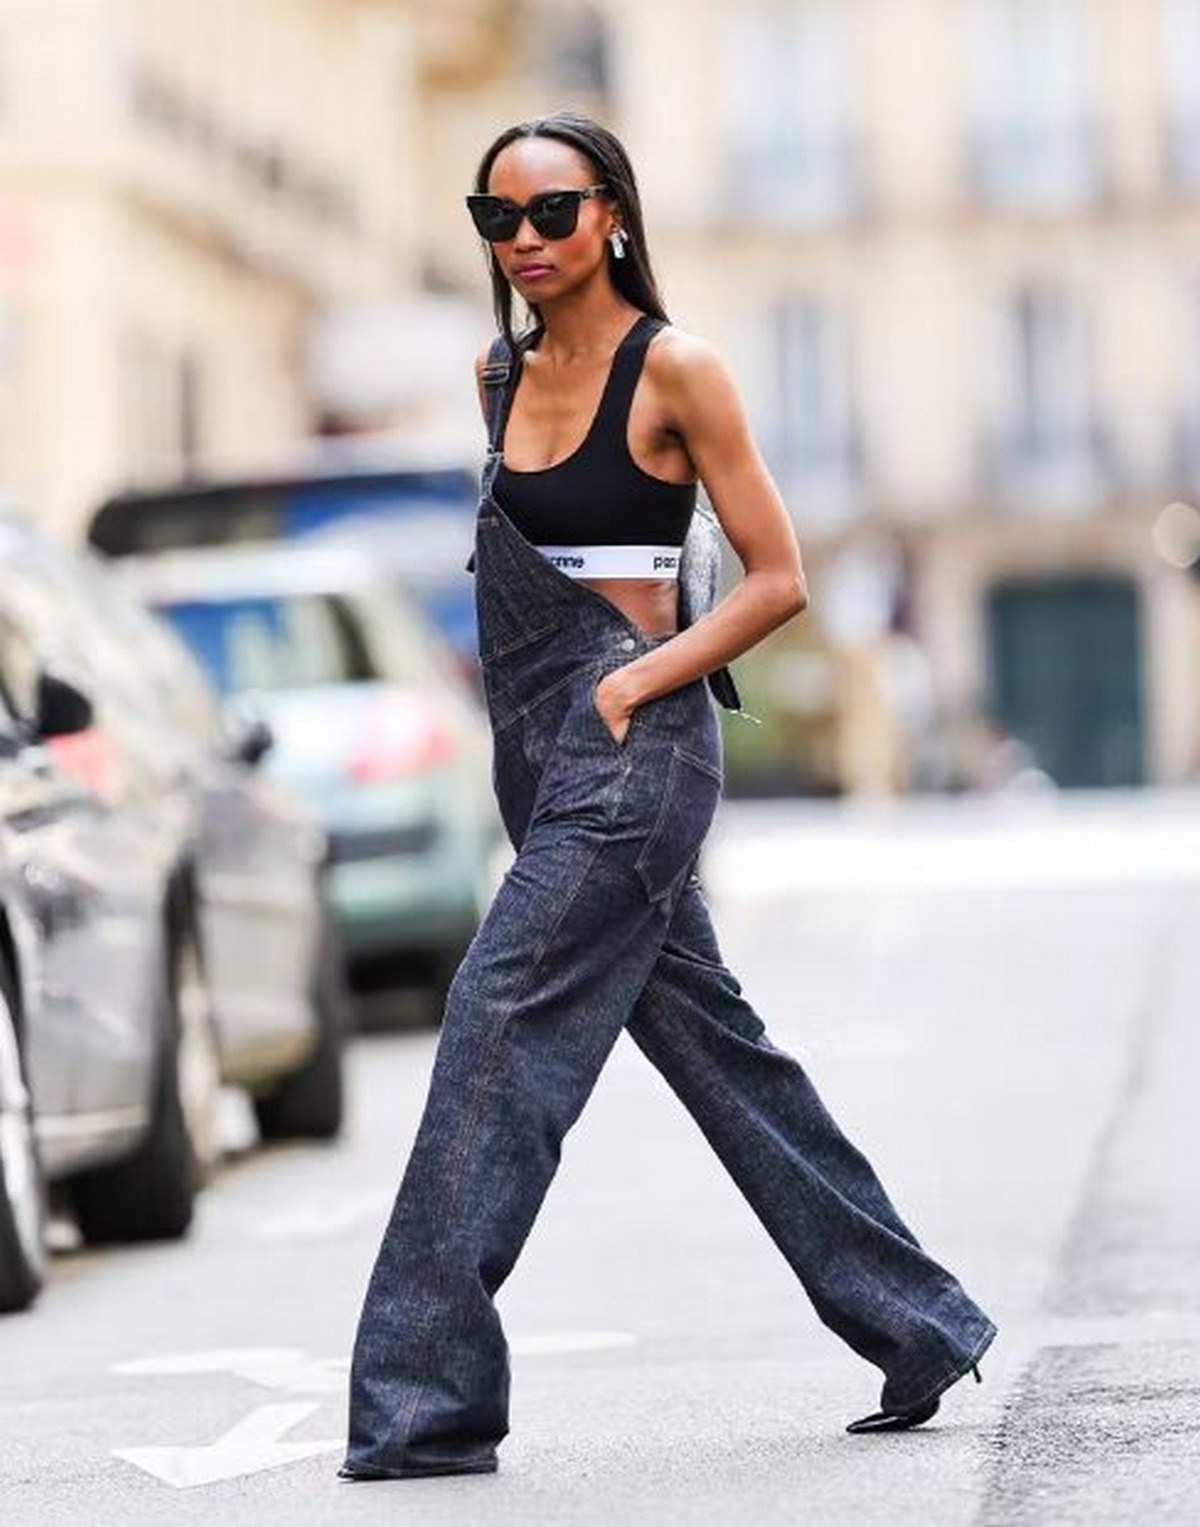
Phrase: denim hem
(420, 1470)
(953, 1375)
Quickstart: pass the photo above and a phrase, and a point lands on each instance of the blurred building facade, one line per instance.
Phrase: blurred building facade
(952, 251)
(183, 185)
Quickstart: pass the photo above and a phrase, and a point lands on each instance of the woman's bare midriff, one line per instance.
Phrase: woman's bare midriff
(651, 603)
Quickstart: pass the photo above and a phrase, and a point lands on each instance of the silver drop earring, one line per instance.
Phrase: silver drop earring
(617, 241)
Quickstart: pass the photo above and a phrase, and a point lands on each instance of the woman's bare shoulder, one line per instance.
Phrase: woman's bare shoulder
(680, 359)
(686, 366)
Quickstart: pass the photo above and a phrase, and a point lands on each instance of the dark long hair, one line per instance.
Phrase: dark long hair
(632, 276)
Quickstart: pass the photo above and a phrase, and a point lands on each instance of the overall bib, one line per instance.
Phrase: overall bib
(601, 925)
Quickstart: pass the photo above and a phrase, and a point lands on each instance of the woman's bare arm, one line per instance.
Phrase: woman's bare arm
(705, 410)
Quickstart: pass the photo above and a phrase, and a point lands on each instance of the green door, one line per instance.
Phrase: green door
(1066, 675)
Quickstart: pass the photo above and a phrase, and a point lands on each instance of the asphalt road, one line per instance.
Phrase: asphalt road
(997, 1001)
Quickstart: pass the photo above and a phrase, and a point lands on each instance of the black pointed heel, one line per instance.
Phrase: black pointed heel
(895, 1420)
(902, 1420)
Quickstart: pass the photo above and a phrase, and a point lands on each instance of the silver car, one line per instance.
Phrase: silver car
(104, 1079)
(239, 867)
(272, 955)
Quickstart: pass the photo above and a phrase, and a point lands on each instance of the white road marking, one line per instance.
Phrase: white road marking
(292, 1371)
(255, 1442)
(249, 1447)
(288, 1369)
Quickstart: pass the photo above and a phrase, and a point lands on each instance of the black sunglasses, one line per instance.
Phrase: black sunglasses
(554, 214)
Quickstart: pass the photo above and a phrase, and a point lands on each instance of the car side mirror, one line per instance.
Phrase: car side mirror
(61, 710)
(252, 741)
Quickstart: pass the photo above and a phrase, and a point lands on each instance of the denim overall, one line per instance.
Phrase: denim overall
(601, 925)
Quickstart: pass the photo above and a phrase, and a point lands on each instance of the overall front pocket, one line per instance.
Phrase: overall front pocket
(598, 719)
(690, 791)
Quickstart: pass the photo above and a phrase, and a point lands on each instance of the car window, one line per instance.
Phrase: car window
(404, 645)
(174, 682)
(274, 642)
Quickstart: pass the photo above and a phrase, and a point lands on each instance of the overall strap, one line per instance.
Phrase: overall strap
(496, 377)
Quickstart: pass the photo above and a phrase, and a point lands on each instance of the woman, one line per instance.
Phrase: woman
(594, 591)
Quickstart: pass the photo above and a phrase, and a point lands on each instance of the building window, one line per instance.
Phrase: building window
(260, 163)
(1187, 426)
(810, 436)
(791, 157)
(569, 48)
(1180, 38)
(163, 394)
(11, 375)
(1034, 138)
(1047, 450)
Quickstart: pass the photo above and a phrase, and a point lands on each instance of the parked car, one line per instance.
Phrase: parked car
(251, 854)
(104, 1079)
(372, 721)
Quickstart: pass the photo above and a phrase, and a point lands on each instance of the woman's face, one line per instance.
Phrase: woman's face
(540, 268)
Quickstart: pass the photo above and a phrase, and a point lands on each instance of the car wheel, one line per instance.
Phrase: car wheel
(197, 1056)
(310, 1103)
(149, 1195)
(22, 1190)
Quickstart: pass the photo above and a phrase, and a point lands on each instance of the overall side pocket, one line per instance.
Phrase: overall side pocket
(690, 791)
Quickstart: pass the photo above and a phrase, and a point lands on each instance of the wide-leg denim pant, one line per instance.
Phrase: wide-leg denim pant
(600, 925)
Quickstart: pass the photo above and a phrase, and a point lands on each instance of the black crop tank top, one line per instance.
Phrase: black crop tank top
(598, 495)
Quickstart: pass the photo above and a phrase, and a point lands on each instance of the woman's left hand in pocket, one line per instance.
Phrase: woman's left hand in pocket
(613, 711)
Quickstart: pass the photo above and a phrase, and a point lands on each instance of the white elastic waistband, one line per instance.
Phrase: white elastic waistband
(614, 561)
